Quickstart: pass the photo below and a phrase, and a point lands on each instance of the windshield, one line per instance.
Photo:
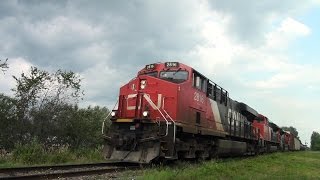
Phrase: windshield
(154, 73)
(174, 76)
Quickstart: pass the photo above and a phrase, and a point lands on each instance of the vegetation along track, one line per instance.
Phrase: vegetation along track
(60, 171)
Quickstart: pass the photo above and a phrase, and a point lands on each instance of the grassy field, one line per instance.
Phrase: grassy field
(34, 154)
(291, 165)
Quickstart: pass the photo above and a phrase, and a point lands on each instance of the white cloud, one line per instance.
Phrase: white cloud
(261, 76)
(316, 2)
(49, 32)
(16, 67)
(289, 30)
(102, 83)
(250, 20)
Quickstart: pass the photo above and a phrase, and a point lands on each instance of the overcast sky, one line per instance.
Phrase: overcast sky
(265, 53)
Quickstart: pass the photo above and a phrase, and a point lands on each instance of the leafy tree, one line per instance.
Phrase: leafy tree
(28, 91)
(4, 65)
(292, 130)
(40, 98)
(71, 125)
(8, 123)
(315, 141)
(83, 129)
(45, 107)
(40, 87)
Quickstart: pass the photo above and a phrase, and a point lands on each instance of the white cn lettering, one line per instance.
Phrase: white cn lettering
(147, 97)
(131, 96)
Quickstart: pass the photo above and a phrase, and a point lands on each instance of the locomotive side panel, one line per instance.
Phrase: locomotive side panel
(199, 114)
(297, 144)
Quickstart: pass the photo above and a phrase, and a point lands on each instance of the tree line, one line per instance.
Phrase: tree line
(315, 141)
(45, 107)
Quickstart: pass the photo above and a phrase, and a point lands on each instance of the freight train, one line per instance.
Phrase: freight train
(171, 111)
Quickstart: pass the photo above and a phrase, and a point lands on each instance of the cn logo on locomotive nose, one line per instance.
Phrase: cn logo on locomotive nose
(132, 97)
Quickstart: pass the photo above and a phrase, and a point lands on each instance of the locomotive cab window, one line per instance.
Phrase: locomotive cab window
(199, 82)
(174, 76)
(209, 89)
(153, 74)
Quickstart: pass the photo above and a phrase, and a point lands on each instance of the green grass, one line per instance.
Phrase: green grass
(35, 154)
(290, 165)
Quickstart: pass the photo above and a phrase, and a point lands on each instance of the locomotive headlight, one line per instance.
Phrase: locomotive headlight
(145, 113)
(143, 84)
(113, 114)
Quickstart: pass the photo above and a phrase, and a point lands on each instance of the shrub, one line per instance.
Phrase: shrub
(32, 153)
(35, 153)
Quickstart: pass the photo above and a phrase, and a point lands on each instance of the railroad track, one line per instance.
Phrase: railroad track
(62, 171)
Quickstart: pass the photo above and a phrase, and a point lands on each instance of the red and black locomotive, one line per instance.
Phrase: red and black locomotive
(171, 111)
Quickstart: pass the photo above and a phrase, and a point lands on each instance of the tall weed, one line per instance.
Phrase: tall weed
(34, 153)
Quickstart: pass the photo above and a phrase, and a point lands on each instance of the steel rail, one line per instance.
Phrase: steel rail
(62, 167)
(72, 170)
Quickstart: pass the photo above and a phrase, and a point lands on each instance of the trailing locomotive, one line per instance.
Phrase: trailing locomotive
(171, 111)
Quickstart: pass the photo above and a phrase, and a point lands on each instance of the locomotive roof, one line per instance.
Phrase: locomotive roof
(163, 65)
(274, 126)
(246, 110)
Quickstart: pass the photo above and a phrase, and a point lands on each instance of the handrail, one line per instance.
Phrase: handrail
(174, 123)
(236, 127)
(146, 96)
(103, 123)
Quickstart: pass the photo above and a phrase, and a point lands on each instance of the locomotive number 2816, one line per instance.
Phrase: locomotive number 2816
(198, 97)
